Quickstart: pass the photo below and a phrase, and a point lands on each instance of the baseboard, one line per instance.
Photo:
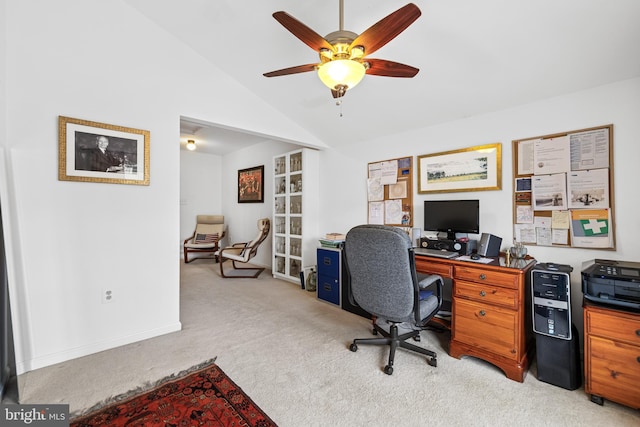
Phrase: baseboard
(63, 356)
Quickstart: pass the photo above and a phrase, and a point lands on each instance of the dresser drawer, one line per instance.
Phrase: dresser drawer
(487, 293)
(614, 370)
(486, 327)
(614, 324)
(481, 275)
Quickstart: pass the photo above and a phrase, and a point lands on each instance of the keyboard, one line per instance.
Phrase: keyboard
(436, 253)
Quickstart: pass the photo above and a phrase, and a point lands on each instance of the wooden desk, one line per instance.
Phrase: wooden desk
(491, 310)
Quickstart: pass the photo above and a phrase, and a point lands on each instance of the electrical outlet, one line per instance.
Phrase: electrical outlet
(107, 296)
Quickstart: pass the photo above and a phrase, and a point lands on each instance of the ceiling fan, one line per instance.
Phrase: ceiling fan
(343, 54)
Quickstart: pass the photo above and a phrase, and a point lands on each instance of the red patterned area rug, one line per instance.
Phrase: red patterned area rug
(201, 396)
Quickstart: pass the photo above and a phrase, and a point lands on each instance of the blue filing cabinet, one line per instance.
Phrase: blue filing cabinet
(329, 272)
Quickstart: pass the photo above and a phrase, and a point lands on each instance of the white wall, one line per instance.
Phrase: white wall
(200, 185)
(343, 194)
(242, 217)
(101, 61)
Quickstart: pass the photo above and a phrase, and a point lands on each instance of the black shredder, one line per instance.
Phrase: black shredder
(557, 344)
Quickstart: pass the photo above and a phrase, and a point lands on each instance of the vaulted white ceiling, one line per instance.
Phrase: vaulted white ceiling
(474, 56)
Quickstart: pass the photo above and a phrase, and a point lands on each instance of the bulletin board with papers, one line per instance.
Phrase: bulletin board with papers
(390, 192)
(563, 189)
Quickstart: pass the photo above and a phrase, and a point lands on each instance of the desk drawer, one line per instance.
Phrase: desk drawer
(487, 293)
(615, 325)
(444, 270)
(481, 275)
(486, 327)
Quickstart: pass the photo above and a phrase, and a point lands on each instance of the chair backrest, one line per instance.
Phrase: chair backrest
(210, 224)
(381, 266)
(264, 225)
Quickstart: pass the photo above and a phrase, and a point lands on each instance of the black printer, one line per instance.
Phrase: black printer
(611, 282)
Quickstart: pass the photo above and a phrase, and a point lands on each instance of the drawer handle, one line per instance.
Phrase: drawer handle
(482, 313)
(483, 293)
(483, 276)
(638, 359)
(638, 332)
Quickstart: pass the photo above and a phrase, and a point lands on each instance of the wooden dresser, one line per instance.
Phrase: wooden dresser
(490, 316)
(612, 355)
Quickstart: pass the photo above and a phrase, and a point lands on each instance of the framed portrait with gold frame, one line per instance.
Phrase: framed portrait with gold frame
(98, 152)
(476, 168)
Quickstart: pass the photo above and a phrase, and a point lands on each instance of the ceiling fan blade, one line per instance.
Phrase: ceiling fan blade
(291, 70)
(312, 39)
(385, 30)
(382, 67)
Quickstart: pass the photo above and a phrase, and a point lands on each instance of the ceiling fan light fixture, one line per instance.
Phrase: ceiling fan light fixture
(357, 52)
(191, 145)
(341, 73)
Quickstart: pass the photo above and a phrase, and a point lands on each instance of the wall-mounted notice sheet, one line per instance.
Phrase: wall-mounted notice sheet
(591, 228)
(588, 188)
(590, 149)
(525, 158)
(549, 192)
(551, 155)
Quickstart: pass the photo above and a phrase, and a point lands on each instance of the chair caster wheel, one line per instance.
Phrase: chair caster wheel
(416, 338)
(433, 362)
(353, 347)
(374, 332)
(388, 370)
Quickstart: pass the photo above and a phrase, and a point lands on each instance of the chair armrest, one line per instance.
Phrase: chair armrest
(424, 294)
(239, 245)
(189, 238)
(429, 280)
(231, 250)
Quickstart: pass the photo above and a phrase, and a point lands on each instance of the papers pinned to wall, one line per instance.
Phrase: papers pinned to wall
(563, 189)
(390, 192)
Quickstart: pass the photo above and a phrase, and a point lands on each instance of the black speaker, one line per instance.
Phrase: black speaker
(489, 245)
(463, 248)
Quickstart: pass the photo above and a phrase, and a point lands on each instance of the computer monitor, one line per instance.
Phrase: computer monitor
(452, 216)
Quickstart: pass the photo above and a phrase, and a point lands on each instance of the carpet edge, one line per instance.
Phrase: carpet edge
(148, 386)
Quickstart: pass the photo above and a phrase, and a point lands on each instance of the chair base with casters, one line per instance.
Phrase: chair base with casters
(394, 340)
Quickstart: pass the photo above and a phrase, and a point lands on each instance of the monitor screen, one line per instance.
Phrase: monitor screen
(452, 216)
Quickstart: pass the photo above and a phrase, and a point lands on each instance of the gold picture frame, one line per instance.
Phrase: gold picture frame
(98, 152)
(476, 168)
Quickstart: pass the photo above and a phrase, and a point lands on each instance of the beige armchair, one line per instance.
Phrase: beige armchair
(210, 229)
(243, 252)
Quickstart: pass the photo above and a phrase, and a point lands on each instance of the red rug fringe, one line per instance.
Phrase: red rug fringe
(201, 396)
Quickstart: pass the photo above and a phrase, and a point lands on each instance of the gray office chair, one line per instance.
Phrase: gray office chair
(381, 267)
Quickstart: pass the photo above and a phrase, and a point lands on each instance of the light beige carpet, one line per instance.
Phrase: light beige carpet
(289, 352)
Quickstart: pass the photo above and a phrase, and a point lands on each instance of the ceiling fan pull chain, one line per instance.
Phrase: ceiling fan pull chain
(339, 104)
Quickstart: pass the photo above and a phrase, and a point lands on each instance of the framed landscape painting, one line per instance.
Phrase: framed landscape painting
(476, 168)
(98, 152)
